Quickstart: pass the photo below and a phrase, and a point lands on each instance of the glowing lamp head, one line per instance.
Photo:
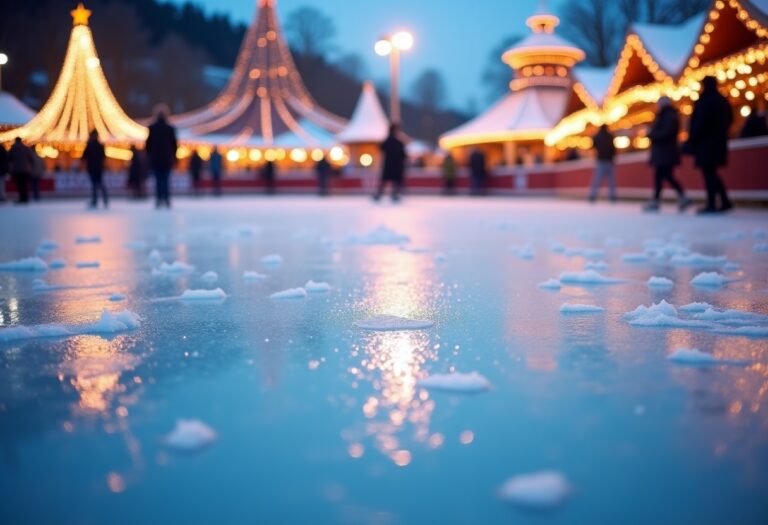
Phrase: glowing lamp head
(383, 47)
(3, 59)
(402, 40)
(233, 155)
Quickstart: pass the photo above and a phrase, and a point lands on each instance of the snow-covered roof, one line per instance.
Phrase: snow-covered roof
(528, 113)
(13, 112)
(595, 80)
(670, 46)
(368, 122)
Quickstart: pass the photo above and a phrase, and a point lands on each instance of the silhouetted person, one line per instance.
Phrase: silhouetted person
(3, 171)
(324, 171)
(393, 166)
(93, 158)
(161, 153)
(268, 176)
(214, 166)
(195, 171)
(708, 142)
(602, 142)
(478, 171)
(20, 166)
(137, 173)
(448, 169)
(754, 125)
(665, 154)
(36, 177)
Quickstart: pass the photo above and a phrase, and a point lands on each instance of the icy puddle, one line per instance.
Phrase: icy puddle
(440, 361)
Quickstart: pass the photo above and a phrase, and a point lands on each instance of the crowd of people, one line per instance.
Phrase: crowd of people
(707, 142)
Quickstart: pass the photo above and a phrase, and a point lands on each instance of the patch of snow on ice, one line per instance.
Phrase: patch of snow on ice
(570, 308)
(110, 322)
(190, 435)
(697, 259)
(272, 261)
(386, 323)
(57, 264)
(587, 277)
(660, 282)
(249, 275)
(692, 356)
(117, 297)
(203, 295)
(635, 258)
(317, 287)
(709, 280)
(175, 268)
(551, 284)
(290, 293)
(209, 277)
(154, 258)
(539, 490)
(455, 382)
(28, 264)
(695, 307)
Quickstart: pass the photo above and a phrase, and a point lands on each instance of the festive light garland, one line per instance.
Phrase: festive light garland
(81, 100)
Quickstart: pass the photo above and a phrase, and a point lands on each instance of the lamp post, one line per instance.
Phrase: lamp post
(3, 61)
(392, 46)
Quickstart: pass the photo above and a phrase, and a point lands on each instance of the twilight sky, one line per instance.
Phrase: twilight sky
(454, 36)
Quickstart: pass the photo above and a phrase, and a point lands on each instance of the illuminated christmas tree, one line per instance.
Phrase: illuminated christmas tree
(81, 100)
(265, 102)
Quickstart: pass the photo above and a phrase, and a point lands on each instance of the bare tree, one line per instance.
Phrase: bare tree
(310, 31)
(497, 74)
(597, 27)
(660, 11)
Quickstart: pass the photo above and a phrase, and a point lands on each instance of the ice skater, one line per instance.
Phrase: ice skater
(161, 152)
(195, 171)
(665, 154)
(708, 142)
(478, 171)
(602, 142)
(214, 166)
(393, 169)
(93, 157)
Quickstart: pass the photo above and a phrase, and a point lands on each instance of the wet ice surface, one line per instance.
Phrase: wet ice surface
(317, 421)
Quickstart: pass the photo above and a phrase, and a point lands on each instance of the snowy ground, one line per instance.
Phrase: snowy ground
(235, 405)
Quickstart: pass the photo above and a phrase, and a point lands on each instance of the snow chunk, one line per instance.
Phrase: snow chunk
(569, 308)
(386, 323)
(190, 435)
(551, 284)
(177, 267)
(87, 264)
(28, 264)
(587, 277)
(456, 382)
(736, 317)
(154, 258)
(113, 322)
(253, 276)
(117, 297)
(19, 333)
(272, 261)
(209, 277)
(290, 293)
(539, 490)
(695, 307)
(85, 239)
(697, 259)
(57, 264)
(203, 295)
(381, 235)
(692, 356)
(317, 287)
(110, 322)
(709, 279)
(660, 282)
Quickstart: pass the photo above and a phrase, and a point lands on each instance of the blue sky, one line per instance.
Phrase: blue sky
(453, 36)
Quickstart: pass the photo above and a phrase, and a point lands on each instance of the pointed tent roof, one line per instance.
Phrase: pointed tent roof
(670, 45)
(13, 112)
(594, 80)
(265, 102)
(368, 122)
(81, 100)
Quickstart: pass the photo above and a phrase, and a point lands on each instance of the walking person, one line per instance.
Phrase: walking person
(195, 171)
(449, 174)
(268, 176)
(478, 170)
(214, 165)
(36, 177)
(93, 157)
(602, 142)
(20, 166)
(708, 142)
(137, 173)
(324, 172)
(665, 154)
(161, 152)
(3, 171)
(393, 168)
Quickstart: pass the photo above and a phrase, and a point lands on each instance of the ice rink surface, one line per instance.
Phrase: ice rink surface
(222, 387)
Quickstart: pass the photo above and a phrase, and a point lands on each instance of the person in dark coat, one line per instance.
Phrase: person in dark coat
(38, 172)
(665, 154)
(161, 152)
(755, 125)
(20, 165)
(93, 158)
(195, 171)
(602, 142)
(708, 142)
(3, 171)
(448, 169)
(268, 176)
(214, 165)
(478, 171)
(393, 168)
(324, 172)
(137, 173)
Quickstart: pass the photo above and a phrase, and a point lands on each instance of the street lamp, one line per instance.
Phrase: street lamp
(3, 61)
(392, 45)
